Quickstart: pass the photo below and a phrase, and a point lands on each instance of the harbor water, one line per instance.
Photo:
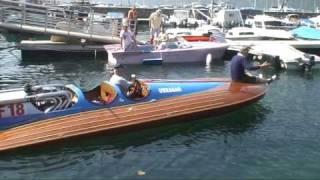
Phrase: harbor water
(277, 137)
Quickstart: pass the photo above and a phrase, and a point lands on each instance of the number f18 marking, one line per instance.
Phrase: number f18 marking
(13, 109)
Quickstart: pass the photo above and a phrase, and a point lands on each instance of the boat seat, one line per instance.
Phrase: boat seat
(103, 94)
(107, 92)
(138, 90)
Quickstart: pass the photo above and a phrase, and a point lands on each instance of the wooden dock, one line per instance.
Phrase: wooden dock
(38, 19)
(45, 49)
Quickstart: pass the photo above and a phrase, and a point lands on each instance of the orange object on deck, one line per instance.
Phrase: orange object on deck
(194, 38)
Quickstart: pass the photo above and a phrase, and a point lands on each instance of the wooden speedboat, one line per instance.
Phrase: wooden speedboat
(42, 114)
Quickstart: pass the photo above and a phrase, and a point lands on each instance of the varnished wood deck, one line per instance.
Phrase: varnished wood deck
(225, 99)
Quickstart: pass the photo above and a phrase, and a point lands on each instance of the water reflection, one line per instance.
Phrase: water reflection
(302, 74)
(106, 150)
(186, 133)
(106, 154)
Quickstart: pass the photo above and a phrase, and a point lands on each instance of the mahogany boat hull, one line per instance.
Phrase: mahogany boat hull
(228, 97)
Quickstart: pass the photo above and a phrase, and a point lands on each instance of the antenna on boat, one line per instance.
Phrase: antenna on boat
(211, 14)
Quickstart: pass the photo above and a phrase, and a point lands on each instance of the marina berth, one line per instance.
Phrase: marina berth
(41, 114)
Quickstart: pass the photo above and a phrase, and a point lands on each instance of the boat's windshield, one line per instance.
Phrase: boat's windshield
(275, 25)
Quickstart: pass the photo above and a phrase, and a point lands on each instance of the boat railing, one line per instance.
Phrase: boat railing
(55, 20)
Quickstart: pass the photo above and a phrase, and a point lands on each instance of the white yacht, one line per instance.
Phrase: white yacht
(183, 18)
(228, 18)
(242, 33)
(271, 28)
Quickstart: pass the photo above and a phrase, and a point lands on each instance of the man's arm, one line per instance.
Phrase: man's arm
(249, 66)
(129, 14)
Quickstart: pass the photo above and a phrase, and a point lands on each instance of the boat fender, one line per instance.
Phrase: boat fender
(208, 59)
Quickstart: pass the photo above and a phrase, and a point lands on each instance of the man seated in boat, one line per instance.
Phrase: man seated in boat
(132, 89)
(239, 65)
(164, 41)
(127, 38)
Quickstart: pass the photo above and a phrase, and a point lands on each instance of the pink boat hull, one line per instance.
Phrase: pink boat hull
(198, 52)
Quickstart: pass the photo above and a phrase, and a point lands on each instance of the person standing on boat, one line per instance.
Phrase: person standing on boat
(127, 38)
(133, 19)
(239, 65)
(155, 23)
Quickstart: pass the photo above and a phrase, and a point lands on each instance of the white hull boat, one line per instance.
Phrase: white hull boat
(288, 56)
(271, 28)
(242, 33)
(174, 53)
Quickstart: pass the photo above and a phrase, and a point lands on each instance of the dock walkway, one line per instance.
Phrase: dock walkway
(31, 18)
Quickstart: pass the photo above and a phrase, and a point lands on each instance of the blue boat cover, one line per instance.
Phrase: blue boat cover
(306, 33)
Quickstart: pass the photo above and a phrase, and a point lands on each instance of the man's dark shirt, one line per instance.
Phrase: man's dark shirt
(239, 64)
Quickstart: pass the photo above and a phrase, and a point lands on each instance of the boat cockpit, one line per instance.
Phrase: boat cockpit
(106, 93)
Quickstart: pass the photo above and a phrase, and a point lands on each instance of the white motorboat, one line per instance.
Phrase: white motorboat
(271, 28)
(228, 18)
(174, 52)
(288, 56)
(242, 33)
(183, 18)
